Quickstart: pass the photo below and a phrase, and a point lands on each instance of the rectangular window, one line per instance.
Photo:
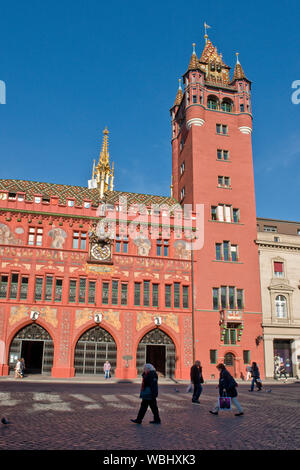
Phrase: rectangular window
(246, 356)
(218, 128)
(185, 296)
(233, 336)
(213, 213)
(58, 290)
(125, 245)
(278, 269)
(115, 292)
(194, 98)
(215, 298)
(218, 251)
(137, 294)
(220, 154)
(226, 251)
(92, 292)
(166, 248)
(234, 256)
(168, 293)
(124, 288)
(105, 292)
(38, 288)
(158, 247)
(270, 228)
(48, 288)
(118, 245)
(225, 155)
(79, 240)
(24, 288)
(227, 181)
(3, 287)
(236, 215)
(213, 353)
(176, 295)
(224, 129)
(76, 240)
(14, 286)
(83, 240)
(231, 297)
(146, 293)
(223, 297)
(240, 298)
(35, 236)
(72, 290)
(155, 293)
(82, 290)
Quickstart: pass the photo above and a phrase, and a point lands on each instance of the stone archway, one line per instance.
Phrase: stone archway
(157, 348)
(92, 349)
(35, 345)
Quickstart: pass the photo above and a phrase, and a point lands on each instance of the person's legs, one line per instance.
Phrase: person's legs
(142, 410)
(154, 409)
(197, 392)
(252, 384)
(237, 404)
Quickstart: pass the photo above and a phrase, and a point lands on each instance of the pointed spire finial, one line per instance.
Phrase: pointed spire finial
(237, 57)
(194, 51)
(206, 26)
(179, 84)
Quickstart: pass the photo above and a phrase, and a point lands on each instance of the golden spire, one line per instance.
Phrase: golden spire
(104, 155)
(102, 172)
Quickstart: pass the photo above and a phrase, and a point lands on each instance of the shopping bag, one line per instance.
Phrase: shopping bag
(224, 403)
(190, 388)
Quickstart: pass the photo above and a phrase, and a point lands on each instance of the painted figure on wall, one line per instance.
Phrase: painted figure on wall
(58, 237)
(143, 246)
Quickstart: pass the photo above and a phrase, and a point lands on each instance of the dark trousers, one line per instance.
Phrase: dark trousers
(197, 391)
(144, 406)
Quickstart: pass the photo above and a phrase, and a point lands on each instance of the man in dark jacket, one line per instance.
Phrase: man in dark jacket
(197, 380)
(149, 392)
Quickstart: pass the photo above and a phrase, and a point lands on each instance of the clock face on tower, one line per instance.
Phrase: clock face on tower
(100, 252)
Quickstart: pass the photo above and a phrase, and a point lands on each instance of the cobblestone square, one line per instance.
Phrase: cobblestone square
(83, 416)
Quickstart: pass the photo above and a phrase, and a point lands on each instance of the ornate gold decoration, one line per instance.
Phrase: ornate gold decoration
(102, 173)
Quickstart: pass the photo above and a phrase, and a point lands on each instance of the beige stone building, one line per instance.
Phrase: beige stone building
(279, 256)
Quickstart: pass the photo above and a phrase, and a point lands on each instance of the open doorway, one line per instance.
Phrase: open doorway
(32, 352)
(156, 355)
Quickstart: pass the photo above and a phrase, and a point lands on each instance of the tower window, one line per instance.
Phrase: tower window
(212, 103)
(222, 129)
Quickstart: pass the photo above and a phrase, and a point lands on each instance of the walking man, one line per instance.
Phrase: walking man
(149, 392)
(197, 381)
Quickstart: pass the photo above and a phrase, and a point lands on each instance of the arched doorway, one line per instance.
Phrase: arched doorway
(229, 361)
(157, 348)
(93, 348)
(35, 345)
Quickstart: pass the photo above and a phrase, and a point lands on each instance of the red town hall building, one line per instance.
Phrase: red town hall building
(89, 274)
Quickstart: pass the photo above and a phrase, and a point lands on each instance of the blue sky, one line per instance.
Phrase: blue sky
(73, 67)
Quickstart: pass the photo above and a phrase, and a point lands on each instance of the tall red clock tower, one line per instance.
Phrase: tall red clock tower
(212, 165)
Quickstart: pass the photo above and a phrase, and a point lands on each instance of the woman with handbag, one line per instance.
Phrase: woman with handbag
(227, 383)
(149, 392)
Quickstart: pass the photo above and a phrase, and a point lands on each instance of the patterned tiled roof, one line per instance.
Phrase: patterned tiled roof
(78, 193)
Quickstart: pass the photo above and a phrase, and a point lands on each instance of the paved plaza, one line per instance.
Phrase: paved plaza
(95, 416)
